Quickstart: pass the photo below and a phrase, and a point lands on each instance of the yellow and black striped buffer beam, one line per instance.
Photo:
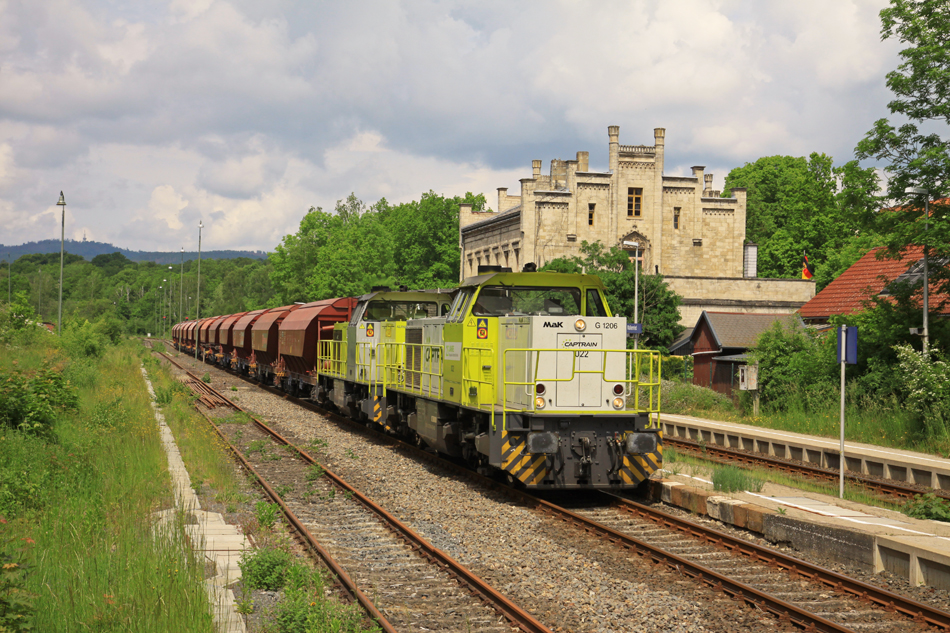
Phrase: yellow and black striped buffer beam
(638, 468)
(529, 469)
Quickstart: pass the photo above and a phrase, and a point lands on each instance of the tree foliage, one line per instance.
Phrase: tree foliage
(356, 247)
(797, 205)
(658, 305)
(916, 150)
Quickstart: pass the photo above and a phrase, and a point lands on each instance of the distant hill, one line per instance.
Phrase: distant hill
(88, 250)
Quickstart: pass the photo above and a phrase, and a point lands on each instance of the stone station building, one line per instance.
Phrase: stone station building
(683, 229)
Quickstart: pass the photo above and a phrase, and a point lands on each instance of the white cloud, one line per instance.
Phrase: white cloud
(245, 113)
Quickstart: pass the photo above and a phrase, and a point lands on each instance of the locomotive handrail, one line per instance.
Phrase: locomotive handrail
(633, 380)
(400, 371)
(332, 361)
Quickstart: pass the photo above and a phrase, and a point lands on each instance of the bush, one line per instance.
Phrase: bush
(16, 603)
(265, 568)
(83, 339)
(681, 397)
(30, 402)
(928, 506)
(927, 389)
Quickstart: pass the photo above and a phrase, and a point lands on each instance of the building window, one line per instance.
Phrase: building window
(634, 201)
(697, 242)
(676, 217)
(590, 214)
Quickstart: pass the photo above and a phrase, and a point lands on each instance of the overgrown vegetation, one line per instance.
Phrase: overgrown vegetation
(732, 479)
(82, 475)
(302, 607)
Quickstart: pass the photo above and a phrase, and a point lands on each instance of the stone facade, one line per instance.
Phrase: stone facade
(683, 229)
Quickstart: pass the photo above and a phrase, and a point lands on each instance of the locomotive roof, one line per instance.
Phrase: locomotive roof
(543, 279)
(407, 295)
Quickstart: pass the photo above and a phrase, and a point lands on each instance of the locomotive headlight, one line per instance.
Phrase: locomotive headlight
(580, 325)
(539, 402)
(618, 403)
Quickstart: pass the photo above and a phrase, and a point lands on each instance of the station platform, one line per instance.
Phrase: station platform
(867, 537)
(867, 459)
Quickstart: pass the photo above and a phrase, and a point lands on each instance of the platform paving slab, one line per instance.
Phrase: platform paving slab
(219, 542)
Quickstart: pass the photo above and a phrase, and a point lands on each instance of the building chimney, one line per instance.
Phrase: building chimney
(659, 136)
(502, 196)
(583, 161)
(750, 256)
(613, 133)
(536, 169)
(707, 192)
(698, 171)
(466, 216)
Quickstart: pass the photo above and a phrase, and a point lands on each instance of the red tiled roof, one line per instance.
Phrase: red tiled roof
(864, 280)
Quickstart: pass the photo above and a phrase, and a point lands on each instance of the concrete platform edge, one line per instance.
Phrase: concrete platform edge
(907, 557)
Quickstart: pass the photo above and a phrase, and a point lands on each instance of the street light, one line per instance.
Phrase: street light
(198, 294)
(636, 290)
(919, 191)
(181, 286)
(62, 240)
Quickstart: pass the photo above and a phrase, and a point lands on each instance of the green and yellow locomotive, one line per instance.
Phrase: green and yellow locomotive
(524, 373)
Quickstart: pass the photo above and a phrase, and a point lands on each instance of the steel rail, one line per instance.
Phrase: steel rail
(488, 594)
(919, 612)
(343, 579)
(731, 455)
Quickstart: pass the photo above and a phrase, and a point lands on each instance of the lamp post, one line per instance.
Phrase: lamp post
(171, 295)
(636, 290)
(62, 241)
(181, 286)
(923, 192)
(9, 280)
(39, 298)
(198, 294)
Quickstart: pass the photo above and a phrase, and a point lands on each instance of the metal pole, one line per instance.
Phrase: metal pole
(9, 280)
(198, 294)
(636, 297)
(181, 287)
(844, 348)
(39, 298)
(62, 241)
(926, 278)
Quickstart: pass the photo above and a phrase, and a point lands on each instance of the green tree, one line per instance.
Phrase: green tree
(916, 153)
(658, 305)
(798, 206)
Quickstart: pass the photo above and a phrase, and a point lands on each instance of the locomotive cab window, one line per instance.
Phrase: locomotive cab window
(521, 301)
(460, 304)
(400, 310)
(595, 305)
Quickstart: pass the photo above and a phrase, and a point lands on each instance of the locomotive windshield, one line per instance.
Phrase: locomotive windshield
(515, 301)
(400, 310)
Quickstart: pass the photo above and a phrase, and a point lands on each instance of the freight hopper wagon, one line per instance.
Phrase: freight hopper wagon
(300, 334)
(527, 374)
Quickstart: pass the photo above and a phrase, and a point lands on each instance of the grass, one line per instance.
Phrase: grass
(205, 454)
(677, 463)
(82, 523)
(880, 423)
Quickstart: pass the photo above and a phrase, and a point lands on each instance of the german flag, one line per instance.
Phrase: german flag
(808, 270)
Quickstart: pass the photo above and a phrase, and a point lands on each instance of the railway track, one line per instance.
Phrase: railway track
(412, 585)
(887, 488)
(792, 590)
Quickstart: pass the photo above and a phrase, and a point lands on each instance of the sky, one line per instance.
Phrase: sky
(152, 115)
